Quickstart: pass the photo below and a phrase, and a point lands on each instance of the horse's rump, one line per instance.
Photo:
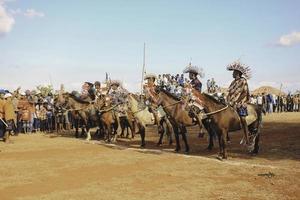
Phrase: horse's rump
(252, 114)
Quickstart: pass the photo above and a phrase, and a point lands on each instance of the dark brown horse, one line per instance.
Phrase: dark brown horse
(108, 117)
(178, 116)
(223, 119)
(96, 112)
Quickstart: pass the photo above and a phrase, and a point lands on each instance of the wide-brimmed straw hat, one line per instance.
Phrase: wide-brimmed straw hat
(115, 82)
(149, 76)
(238, 66)
(194, 69)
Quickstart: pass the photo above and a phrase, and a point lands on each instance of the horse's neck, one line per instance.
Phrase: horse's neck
(74, 104)
(167, 102)
(210, 105)
(134, 104)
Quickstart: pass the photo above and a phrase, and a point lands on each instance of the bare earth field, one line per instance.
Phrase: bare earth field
(51, 166)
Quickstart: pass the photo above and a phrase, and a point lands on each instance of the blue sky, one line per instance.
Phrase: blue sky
(66, 41)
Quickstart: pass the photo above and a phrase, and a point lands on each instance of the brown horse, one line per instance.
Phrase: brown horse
(223, 119)
(88, 112)
(108, 117)
(177, 113)
(145, 118)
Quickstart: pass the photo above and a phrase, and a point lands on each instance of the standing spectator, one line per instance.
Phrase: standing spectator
(9, 115)
(270, 103)
(159, 80)
(295, 103)
(43, 116)
(274, 97)
(208, 85)
(213, 86)
(181, 80)
(2, 125)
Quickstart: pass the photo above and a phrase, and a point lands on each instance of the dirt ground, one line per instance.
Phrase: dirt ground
(51, 166)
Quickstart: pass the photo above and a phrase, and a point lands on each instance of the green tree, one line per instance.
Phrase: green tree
(45, 89)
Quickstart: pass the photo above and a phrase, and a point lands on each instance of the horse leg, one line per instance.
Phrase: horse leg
(88, 134)
(127, 125)
(142, 133)
(76, 125)
(176, 133)
(161, 132)
(132, 128)
(219, 134)
(122, 127)
(184, 137)
(223, 138)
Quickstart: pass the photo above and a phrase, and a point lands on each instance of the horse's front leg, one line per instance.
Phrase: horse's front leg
(176, 133)
(184, 137)
(223, 138)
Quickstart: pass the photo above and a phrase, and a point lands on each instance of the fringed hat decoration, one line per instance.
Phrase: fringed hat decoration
(115, 82)
(194, 69)
(149, 76)
(238, 66)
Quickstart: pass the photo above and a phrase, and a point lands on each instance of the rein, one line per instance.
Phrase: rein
(108, 109)
(217, 111)
(173, 104)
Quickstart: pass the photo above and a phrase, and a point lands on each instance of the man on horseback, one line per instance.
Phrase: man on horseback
(196, 84)
(88, 92)
(194, 71)
(118, 97)
(238, 93)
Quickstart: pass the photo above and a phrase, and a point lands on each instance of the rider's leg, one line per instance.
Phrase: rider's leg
(245, 128)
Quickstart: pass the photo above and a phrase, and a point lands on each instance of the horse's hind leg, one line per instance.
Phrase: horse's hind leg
(161, 132)
(184, 137)
(142, 134)
(224, 143)
(176, 133)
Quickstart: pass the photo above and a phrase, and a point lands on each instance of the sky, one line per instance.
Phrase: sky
(69, 42)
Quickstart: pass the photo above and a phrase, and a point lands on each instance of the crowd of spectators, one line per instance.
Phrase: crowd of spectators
(272, 103)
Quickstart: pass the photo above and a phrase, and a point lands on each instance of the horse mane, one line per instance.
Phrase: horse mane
(79, 100)
(210, 97)
(169, 94)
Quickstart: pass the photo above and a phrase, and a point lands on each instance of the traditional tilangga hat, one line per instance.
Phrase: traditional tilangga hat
(194, 69)
(115, 82)
(244, 69)
(150, 75)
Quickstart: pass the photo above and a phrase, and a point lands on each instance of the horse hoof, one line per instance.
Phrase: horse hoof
(209, 148)
(177, 150)
(187, 152)
(201, 135)
(220, 158)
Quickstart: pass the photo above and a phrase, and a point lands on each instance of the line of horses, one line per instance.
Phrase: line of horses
(219, 119)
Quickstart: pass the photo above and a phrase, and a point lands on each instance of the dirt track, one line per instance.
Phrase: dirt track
(53, 166)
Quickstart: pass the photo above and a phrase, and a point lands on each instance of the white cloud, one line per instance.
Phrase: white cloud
(289, 39)
(31, 13)
(6, 21)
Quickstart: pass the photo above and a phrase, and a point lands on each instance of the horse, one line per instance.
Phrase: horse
(85, 110)
(144, 118)
(108, 117)
(178, 115)
(127, 122)
(223, 118)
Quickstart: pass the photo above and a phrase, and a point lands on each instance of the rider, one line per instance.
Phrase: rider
(151, 86)
(88, 91)
(196, 84)
(98, 91)
(238, 92)
(118, 97)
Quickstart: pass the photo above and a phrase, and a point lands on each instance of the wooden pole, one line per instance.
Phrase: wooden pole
(144, 65)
